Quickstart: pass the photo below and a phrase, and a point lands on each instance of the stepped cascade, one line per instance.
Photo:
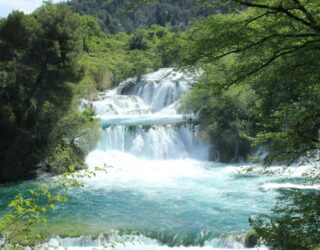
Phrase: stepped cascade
(161, 188)
(140, 117)
(160, 191)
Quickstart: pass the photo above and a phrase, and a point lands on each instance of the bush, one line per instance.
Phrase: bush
(294, 223)
(138, 41)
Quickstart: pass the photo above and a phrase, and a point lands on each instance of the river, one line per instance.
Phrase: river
(160, 192)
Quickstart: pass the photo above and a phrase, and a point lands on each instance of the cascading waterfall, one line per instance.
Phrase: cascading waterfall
(140, 118)
(158, 89)
(150, 142)
(156, 153)
(155, 141)
(160, 192)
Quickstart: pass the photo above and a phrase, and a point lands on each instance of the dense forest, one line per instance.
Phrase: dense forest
(35, 70)
(257, 99)
(127, 16)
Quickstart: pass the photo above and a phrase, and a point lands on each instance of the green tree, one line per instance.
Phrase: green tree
(138, 41)
(130, 15)
(39, 56)
(272, 49)
(275, 47)
(224, 117)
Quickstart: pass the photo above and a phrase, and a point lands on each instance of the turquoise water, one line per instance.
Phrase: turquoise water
(161, 190)
(177, 202)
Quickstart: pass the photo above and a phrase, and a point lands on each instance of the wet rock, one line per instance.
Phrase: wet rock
(251, 239)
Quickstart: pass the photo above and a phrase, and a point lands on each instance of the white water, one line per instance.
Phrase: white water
(131, 243)
(160, 185)
(159, 89)
(140, 118)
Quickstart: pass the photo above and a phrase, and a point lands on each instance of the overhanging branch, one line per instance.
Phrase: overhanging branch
(312, 25)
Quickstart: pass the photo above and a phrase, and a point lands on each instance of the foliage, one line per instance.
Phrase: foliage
(138, 41)
(128, 16)
(28, 209)
(294, 223)
(39, 56)
(271, 49)
(71, 139)
(48, 61)
(225, 117)
(111, 59)
(275, 47)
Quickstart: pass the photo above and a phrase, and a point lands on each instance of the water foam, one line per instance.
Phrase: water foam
(135, 242)
(270, 186)
(159, 89)
(159, 181)
(140, 117)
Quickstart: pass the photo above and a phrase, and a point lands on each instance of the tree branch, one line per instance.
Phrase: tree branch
(260, 42)
(275, 56)
(258, 17)
(282, 10)
(307, 14)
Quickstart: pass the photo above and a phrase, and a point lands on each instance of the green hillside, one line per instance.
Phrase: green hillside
(116, 16)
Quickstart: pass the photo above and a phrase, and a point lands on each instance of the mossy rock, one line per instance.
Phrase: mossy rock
(133, 127)
(251, 239)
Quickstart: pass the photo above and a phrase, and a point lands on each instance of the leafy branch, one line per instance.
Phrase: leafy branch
(26, 210)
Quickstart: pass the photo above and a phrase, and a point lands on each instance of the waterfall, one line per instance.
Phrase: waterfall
(155, 141)
(140, 117)
(160, 190)
(158, 89)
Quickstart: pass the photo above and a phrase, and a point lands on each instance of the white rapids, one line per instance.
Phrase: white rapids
(161, 189)
(141, 118)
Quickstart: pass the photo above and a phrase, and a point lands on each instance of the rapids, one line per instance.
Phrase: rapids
(160, 192)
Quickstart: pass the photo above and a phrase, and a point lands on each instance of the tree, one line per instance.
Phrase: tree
(272, 48)
(39, 56)
(224, 118)
(138, 41)
(130, 15)
(15, 35)
(275, 49)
